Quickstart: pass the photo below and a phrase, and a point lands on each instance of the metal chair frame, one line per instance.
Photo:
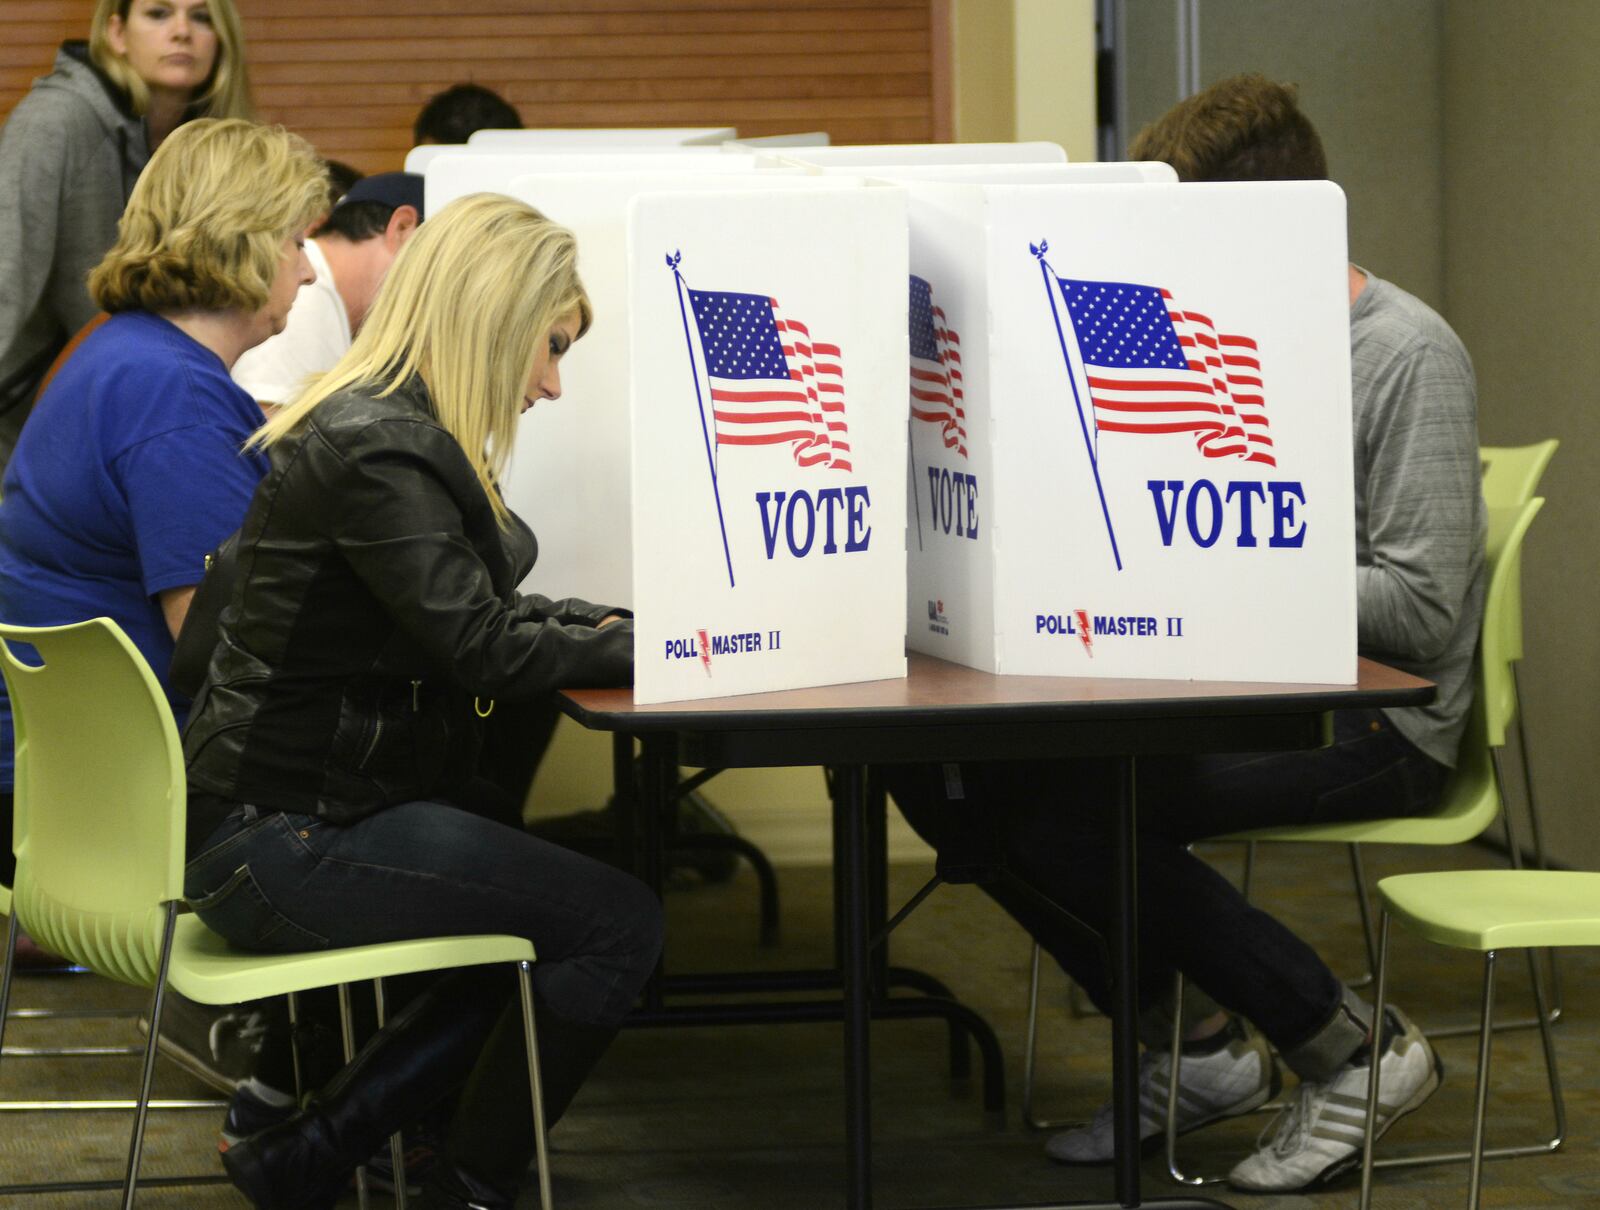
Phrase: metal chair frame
(96, 655)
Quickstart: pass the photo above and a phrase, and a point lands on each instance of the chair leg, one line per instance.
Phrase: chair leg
(1557, 999)
(1379, 1005)
(1030, 1052)
(1514, 848)
(1248, 875)
(530, 1039)
(1170, 1127)
(1480, 1100)
(294, 1048)
(5, 975)
(397, 1151)
(348, 1037)
(1476, 1154)
(1548, 1042)
(157, 1003)
(1358, 875)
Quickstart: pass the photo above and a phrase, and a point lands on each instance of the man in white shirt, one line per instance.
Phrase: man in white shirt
(351, 253)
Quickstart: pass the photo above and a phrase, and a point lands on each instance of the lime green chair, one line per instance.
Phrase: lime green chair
(1472, 799)
(1488, 911)
(1511, 475)
(86, 1052)
(100, 854)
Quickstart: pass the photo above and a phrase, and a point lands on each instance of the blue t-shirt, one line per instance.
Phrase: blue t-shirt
(128, 472)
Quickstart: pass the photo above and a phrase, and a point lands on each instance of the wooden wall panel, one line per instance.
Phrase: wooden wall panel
(865, 71)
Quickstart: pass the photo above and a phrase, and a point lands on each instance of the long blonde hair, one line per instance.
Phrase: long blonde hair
(226, 94)
(205, 225)
(465, 307)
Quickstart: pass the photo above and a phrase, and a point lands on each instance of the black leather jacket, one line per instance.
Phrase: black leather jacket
(374, 618)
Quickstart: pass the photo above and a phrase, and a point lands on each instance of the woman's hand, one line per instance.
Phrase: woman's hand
(607, 620)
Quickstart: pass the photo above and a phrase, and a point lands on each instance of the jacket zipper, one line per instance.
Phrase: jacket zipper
(377, 734)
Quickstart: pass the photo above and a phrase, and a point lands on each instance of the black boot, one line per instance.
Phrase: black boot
(422, 1055)
(491, 1138)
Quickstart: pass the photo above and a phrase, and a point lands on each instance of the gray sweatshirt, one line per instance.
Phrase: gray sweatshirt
(69, 155)
(1420, 518)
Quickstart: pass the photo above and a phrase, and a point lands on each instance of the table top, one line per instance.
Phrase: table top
(938, 692)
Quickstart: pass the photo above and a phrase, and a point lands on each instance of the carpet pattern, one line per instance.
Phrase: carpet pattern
(752, 1116)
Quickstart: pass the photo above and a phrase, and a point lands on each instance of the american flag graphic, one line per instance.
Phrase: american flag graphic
(1153, 367)
(936, 394)
(771, 384)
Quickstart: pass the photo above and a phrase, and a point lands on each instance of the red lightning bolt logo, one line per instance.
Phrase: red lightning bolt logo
(705, 651)
(1083, 631)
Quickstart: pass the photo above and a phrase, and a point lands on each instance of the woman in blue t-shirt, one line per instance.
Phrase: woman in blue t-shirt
(131, 467)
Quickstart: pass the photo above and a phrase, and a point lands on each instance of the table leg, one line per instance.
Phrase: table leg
(659, 780)
(850, 792)
(1125, 989)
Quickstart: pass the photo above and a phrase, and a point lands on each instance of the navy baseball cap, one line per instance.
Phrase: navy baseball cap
(388, 189)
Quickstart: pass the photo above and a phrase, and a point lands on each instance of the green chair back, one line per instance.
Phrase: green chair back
(100, 809)
(1511, 475)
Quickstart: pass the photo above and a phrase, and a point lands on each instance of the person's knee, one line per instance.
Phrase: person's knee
(638, 925)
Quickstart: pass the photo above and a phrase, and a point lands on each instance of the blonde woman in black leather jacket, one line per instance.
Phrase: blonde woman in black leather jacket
(373, 621)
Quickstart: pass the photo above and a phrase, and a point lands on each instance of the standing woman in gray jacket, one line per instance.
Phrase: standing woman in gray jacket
(69, 155)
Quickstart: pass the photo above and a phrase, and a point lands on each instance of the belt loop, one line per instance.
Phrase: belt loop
(250, 813)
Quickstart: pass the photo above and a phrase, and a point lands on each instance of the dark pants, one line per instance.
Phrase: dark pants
(291, 883)
(1050, 824)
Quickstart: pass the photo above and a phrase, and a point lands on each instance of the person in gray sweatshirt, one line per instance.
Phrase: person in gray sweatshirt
(70, 152)
(1419, 538)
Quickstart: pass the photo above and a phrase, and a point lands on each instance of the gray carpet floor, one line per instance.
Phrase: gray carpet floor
(736, 1118)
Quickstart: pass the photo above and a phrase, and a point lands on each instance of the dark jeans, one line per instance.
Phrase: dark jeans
(288, 883)
(1050, 824)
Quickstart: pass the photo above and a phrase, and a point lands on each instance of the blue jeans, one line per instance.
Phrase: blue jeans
(277, 882)
(1049, 823)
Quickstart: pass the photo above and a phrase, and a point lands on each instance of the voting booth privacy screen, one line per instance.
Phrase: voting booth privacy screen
(1130, 431)
(569, 474)
(768, 370)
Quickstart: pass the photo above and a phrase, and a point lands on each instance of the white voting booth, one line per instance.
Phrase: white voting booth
(570, 473)
(857, 155)
(1128, 172)
(768, 369)
(572, 476)
(602, 138)
(1131, 430)
(460, 171)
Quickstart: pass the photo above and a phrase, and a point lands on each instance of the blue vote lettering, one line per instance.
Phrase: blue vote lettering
(953, 500)
(799, 517)
(1205, 511)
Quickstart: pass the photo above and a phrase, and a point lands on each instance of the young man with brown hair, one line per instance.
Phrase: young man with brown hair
(1419, 527)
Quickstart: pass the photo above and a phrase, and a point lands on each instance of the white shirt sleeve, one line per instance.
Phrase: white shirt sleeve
(316, 335)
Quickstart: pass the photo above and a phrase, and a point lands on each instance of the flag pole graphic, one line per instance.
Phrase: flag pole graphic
(705, 434)
(916, 500)
(1038, 251)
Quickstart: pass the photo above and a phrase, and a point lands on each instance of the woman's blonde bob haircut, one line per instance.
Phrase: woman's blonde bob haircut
(225, 94)
(205, 226)
(466, 307)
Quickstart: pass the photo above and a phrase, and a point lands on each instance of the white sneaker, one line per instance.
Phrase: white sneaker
(1235, 1079)
(1319, 1136)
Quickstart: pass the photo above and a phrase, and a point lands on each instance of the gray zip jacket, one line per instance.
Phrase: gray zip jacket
(69, 155)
